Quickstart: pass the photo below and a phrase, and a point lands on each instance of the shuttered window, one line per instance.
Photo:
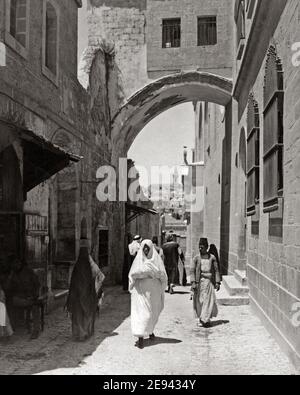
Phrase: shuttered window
(273, 132)
(253, 160)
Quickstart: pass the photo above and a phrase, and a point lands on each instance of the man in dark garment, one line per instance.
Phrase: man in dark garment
(23, 288)
(172, 252)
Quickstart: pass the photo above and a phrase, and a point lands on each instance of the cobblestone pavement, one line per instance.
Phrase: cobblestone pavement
(237, 344)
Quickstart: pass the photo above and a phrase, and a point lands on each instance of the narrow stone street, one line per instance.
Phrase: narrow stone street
(237, 344)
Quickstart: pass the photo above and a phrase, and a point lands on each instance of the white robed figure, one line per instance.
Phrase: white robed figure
(147, 284)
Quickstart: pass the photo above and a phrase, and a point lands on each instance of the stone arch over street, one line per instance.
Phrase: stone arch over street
(161, 95)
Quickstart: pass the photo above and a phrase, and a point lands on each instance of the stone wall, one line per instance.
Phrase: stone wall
(134, 29)
(121, 24)
(216, 59)
(273, 267)
(146, 226)
(214, 134)
(75, 119)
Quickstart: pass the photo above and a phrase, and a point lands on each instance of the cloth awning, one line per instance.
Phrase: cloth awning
(133, 211)
(41, 158)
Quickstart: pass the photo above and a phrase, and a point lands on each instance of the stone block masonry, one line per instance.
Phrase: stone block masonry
(216, 59)
(122, 25)
(274, 265)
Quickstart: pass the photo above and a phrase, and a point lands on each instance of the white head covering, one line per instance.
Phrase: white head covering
(134, 247)
(150, 266)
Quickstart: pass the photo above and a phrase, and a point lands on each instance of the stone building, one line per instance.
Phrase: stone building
(154, 39)
(188, 35)
(141, 217)
(54, 135)
(262, 186)
(209, 155)
(247, 126)
(144, 33)
(266, 101)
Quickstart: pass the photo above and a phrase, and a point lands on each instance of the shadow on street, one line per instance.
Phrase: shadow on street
(219, 323)
(55, 348)
(160, 340)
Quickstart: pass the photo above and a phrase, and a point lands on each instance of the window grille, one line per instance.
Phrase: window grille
(171, 33)
(207, 31)
(253, 159)
(273, 143)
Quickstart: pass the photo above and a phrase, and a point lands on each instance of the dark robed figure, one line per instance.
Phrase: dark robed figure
(83, 301)
(172, 252)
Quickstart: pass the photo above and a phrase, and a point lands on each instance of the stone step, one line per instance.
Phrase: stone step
(225, 299)
(234, 287)
(241, 276)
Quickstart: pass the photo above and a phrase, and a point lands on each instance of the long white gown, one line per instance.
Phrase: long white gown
(147, 283)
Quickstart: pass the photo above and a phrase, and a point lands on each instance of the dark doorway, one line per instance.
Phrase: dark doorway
(11, 205)
(103, 252)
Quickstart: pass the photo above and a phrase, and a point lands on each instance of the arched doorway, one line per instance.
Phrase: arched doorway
(242, 188)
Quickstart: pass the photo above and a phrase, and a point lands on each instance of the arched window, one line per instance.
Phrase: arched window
(51, 38)
(253, 161)
(273, 142)
(18, 20)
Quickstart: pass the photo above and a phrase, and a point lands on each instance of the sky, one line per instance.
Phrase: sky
(161, 142)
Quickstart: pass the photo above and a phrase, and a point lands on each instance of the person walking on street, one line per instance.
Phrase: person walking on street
(214, 251)
(205, 279)
(158, 249)
(82, 301)
(172, 253)
(134, 247)
(147, 284)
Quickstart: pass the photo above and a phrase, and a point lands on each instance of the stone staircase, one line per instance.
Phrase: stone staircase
(234, 290)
